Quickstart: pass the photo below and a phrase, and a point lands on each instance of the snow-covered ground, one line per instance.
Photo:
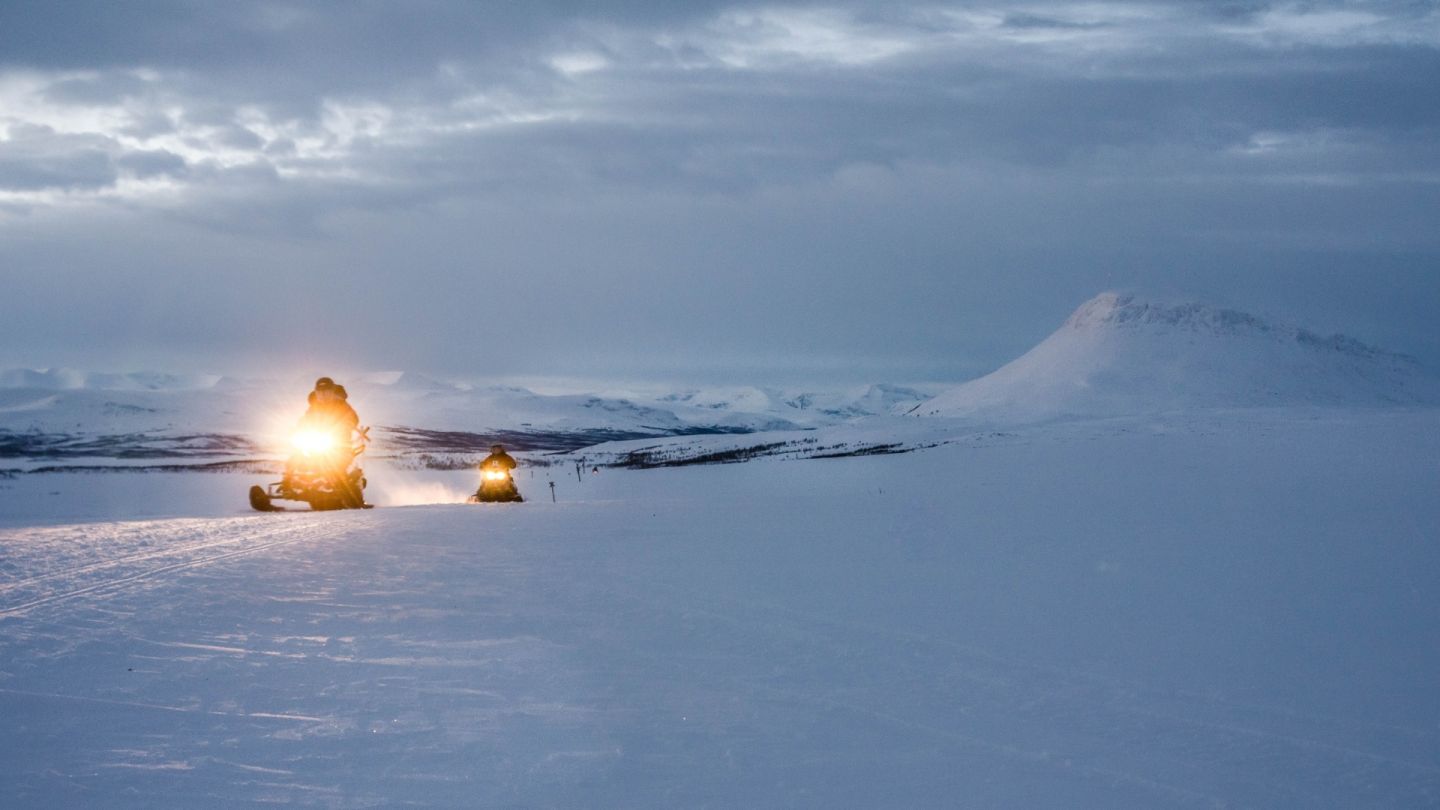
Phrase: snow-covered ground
(1229, 610)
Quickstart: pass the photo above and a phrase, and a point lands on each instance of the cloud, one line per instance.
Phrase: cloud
(35, 158)
(579, 62)
(724, 97)
(1348, 25)
(147, 164)
(630, 178)
(767, 37)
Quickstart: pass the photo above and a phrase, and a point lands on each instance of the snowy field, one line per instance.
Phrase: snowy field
(1222, 612)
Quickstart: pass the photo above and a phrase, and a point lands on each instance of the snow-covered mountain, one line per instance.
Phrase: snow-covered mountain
(1117, 355)
(393, 397)
(66, 379)
(808, 408)
(44, 412)
(1120, 355)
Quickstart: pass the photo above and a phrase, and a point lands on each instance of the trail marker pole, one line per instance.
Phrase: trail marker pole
(552, 492)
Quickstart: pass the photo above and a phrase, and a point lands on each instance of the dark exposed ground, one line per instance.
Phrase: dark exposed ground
(156, 445)
(159, 451)
(681, 455)
(402, 439)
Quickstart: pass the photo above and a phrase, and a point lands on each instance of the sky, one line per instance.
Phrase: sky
(707, 191)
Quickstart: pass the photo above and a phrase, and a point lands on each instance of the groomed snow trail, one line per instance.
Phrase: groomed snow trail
(1131, 615)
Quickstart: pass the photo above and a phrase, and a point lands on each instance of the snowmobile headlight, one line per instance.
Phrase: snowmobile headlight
(313, 442)
(495, 475)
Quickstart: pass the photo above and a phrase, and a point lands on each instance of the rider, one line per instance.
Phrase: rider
(498, 458)
(329, 407)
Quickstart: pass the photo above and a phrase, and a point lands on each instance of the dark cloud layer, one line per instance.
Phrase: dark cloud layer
(830, 191)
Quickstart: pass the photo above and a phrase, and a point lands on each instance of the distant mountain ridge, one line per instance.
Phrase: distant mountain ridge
(66, 412)
(1116, 355)
(1121, 355)
(67, 379)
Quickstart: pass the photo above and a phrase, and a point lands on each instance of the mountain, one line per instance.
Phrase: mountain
(1121, 355)
(803, 408)
(67, 379)
(54, 413)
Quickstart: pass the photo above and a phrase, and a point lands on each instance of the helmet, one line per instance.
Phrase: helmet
(323, 383)
(497, 448)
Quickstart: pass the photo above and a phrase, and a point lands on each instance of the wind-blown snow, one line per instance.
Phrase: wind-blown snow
(1119, 355)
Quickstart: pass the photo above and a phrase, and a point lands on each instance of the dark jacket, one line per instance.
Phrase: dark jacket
(500, 459)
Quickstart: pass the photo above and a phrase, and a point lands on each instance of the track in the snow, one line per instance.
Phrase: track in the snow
(73, 581)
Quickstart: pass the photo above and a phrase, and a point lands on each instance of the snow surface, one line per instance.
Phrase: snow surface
(1231, 610)
(1121, 355)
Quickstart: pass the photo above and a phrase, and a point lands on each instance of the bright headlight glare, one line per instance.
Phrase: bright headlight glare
(311, 442)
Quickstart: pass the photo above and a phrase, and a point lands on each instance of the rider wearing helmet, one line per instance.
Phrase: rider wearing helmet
(498, 458)
(329, 406)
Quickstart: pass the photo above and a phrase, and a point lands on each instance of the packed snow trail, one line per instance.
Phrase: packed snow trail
(1138, 615)
(171, 547)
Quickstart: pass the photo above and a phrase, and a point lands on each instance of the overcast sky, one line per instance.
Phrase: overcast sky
(706, 191)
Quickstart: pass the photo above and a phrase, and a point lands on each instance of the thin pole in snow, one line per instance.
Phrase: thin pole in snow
(552, 492)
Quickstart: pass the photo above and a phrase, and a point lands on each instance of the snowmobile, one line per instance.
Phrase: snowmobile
(497, 485)
(321, 471)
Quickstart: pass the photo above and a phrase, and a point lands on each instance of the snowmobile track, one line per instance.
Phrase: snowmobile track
(130, 558)
(119, 583)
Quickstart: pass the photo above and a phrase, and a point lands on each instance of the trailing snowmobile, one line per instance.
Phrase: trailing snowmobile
(321, 471)
(497, 480)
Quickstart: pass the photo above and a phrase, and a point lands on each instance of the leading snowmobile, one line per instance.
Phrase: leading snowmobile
(321, 471)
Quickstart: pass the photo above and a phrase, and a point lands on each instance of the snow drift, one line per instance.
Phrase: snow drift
(1119, 355)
